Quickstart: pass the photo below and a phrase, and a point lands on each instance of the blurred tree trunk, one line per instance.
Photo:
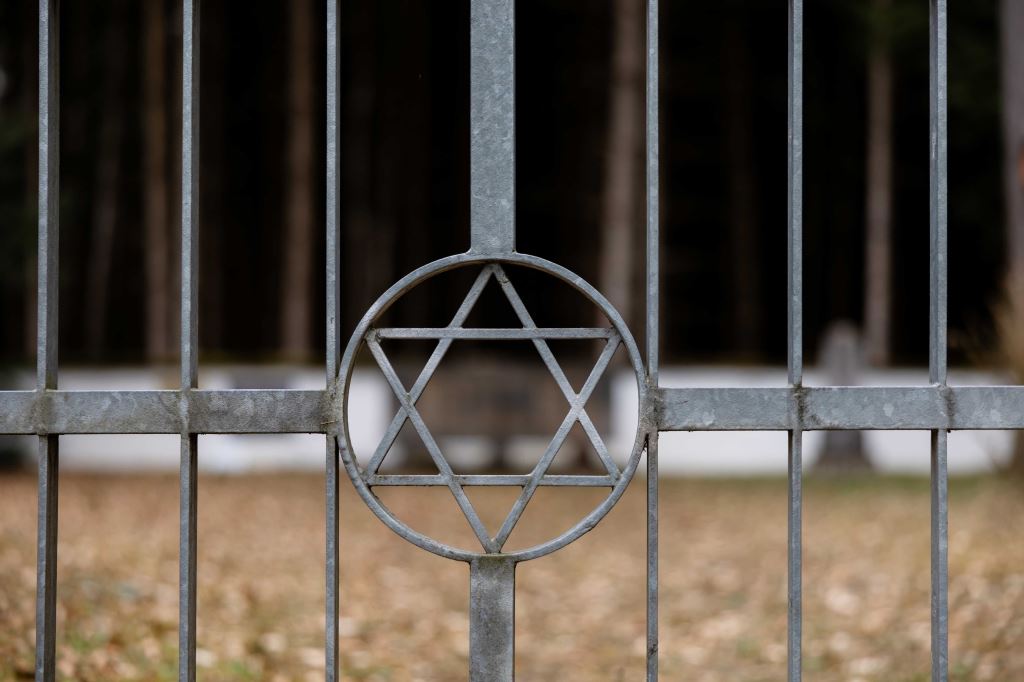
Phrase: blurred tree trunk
(297, 280)
(415, 149)
(842, 359)
(357, 162)
(1012, 25)
(742, 255)
(155, 207)
(878, 248)
(30, 102)
(1012, 22)
(174, 186)
(107, 178)
(212, 199)
(619, 215)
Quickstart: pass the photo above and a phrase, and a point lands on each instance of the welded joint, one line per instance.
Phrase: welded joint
(42, 412)
(652, 409)
(797, 407)
(185, 410)
(330, 420)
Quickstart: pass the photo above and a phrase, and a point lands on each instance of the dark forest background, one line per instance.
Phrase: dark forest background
(405, 134)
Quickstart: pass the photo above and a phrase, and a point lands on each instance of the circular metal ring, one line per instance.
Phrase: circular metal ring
(386, 300)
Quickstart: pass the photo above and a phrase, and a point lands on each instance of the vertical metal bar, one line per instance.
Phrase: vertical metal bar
(937, 337)
(795, 556)
(795, 338)
(189, 341)
(796, 191)
(940, 557)
(652, 331)
(49, 193)
(652, 557)
(46, 561)
(492, 619)
(492, 127)
(187, 558)
(333, 339)
(939, 250)
(46, 341)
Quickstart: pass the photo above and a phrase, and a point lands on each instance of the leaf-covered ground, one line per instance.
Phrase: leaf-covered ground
(580, 612)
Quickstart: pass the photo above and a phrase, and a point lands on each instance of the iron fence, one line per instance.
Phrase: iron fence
(48, 412)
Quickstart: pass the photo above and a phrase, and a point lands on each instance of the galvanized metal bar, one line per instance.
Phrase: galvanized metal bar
(492, 127)
(232, 411)
(187, 549)
(653, 180)
(49, 194)
(652, 556)
(939, 247)
(189, 340)
(46, 341)
(46, 560)
(190, 197)
(492, 619)
(841, 408)
(877, 408)
(652, 331)
(937, 361)
(796, 192)
(332, 612)
(333, 194)
(493, 333)
(795, 557)
(794, 341)
(506, 480)
(940, 556)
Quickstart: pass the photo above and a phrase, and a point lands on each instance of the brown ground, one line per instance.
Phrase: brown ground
(580, 612)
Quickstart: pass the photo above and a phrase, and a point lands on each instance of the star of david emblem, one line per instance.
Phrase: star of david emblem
(529, 331)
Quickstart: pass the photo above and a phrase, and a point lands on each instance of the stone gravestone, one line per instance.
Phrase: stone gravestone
(842, 359)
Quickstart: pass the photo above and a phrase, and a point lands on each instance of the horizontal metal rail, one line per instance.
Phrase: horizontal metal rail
(493, 333)
(120, 412)
(579, 481)
(878, 408)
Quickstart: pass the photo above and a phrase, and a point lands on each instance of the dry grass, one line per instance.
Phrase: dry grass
(580, 612)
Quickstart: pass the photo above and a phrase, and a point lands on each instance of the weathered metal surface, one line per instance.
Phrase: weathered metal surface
(672, 409)
(940, 555)
(233, 411)
(938, 332)
(492, 619)
(48, 412)
(188, 512)
(493, 333)
(492, 121)
(46, 340)
(794, 338)
(840, 407)
(491, 270)
(332, 613)
(794, 555)
(652, 331)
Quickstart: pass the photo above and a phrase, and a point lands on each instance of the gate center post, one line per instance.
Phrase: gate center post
(492, 619)
(492, 121)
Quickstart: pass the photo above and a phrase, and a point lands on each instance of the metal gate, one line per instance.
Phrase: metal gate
(49, 412)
